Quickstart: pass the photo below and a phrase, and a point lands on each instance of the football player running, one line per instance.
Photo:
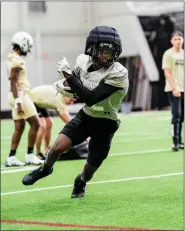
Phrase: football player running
(46, 97)
(101, 83)
(22, 107)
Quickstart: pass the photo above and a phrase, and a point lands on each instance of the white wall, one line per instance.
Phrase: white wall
(61, 31)
(59, 15)
(117, 15)
(58, 32)
(9, 15)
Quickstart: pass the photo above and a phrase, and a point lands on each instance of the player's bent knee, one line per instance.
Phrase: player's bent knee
(62, 144)
(19, 126)
(49, 123)
(97, 160)
(58, 149)
(36, 126)
(42, 125)
(34, 123)
(19, 129)
(96, 163)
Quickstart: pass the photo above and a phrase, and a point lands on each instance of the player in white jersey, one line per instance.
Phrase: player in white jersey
(101, 83)
(46, 97)
(22, 107)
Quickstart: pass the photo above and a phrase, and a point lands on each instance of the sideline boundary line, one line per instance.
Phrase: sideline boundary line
(71, 225)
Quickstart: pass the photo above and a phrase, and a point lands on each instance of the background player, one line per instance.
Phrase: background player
(102, 84)
(46, 97)
(22, 107)
(173, 65)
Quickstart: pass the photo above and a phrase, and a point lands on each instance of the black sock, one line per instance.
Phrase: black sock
(180, 130)
(12, 153)
(30, 150)
(175, 137)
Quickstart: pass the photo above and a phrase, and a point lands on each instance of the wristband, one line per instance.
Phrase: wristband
(16, 101)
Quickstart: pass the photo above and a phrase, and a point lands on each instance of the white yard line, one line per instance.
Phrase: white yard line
(96, 182)
(21, 169)
(139, 133)
(150, 113)
(140, 152)
(13, 167)
(19, 150)
(140, 139)
(5, 137)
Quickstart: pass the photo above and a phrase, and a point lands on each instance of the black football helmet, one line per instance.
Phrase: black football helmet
(104, 45)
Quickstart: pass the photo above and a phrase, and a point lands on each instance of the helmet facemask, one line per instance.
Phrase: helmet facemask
(103, 54)
(103, 45)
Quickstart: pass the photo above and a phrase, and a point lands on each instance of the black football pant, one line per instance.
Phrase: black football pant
(177, 108)
(100, 130)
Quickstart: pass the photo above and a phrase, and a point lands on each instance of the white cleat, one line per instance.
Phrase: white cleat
(12, 161)
(33, 159)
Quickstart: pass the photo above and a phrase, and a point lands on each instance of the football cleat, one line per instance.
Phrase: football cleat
(79, 188)
(33, 159)
(175, 147)
(13, 161)
(36, 175)
(41, 156)
(181, 146)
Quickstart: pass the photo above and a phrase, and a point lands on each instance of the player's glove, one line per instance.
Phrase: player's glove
(63, 66)
(64, 90)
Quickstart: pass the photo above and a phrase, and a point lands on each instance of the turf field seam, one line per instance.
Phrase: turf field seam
(95, 182)
(50, 224)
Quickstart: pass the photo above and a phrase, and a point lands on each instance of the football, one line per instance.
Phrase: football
(65, 83)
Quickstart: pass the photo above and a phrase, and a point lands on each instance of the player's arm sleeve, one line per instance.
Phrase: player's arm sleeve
(167, 61)
(91, 97)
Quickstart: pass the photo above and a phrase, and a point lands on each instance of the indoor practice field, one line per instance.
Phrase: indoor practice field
(139, 186)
